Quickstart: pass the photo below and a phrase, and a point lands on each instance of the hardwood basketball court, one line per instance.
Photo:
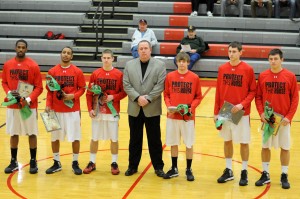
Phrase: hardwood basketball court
(208, 163)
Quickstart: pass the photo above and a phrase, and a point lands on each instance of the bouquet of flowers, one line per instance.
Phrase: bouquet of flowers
(98, 98)
(54, 86)
(22, 103)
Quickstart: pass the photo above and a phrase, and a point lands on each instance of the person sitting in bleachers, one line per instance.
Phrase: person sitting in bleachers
(226, 3)
(261, 3)
(282, 3)
(209, 7)
(196, 44)
(142, 33)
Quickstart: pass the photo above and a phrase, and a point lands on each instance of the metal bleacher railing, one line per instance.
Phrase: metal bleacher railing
(101, 17)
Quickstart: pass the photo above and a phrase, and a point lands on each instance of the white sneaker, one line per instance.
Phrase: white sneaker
(209, 14)
(194, 14)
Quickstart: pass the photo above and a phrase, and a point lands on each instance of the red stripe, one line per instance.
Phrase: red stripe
(139, 178)
(178, 20)
(173, 34)
(182, 7)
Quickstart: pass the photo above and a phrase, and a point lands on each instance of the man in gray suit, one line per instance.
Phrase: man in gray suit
(143, 82)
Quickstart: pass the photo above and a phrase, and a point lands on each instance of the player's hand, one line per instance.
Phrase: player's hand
(68, 96)
(47, 109)
(171, 110)
(263, 118)
(193, 51)
(15, 93)
(215, 118)
(285, 121)
(236, 108)
(108, 98)
(92, 114)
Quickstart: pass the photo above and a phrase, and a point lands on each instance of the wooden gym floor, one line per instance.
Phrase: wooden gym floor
(208, 163)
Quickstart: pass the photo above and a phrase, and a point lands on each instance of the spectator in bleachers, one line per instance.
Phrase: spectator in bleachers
(209, 7)
(197, 46)
(282, 3)
(195, 7)
(142, 33)
(261, 3)
(226, 3)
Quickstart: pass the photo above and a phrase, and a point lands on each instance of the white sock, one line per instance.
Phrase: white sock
(114, 157)
(229, 163)
(265, 166)
(284, 169)
(75, 156)
(93, 157)
(56, 156)
(244, 165)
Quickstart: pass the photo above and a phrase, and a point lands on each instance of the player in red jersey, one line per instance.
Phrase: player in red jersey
(21, 68)
(236, 85)
(279, 87)
(71, 80)
(182, 87)
(105, 122)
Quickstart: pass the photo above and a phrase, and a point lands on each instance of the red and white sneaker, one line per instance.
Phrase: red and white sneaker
(89, 168)
(114, 168)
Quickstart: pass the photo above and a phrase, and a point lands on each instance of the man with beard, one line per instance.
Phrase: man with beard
(72, 84)
(22, 69)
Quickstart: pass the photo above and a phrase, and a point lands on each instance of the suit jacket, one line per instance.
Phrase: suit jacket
(151, 85)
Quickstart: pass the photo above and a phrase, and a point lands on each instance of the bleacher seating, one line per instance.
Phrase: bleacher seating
(51, 5)
(41, 17)
(37, 44)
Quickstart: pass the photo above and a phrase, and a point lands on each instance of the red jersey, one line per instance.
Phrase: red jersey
(182, 89)
(236, 85)
(73, 82)
(280, 89)
(111, 83)
(27, 71)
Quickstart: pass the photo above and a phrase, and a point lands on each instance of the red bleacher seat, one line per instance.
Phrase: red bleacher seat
(173, 34)
(182, 7)
(177, 20)
(220, 50)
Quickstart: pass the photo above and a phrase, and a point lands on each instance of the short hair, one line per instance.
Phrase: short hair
(67, 47)
(108, 51)
(21, 41)
(182, 56)
(276, 51)
(145, 41)
(236, 44)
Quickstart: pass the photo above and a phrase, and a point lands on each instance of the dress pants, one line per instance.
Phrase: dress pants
(136, 125)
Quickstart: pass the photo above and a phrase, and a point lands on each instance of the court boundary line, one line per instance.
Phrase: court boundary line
(139, 178)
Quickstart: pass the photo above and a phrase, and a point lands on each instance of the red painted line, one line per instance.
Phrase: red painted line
(8, 182)
(208, 89)
(137, 181)
(265, 191)
(139, 178)
(268, 186)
